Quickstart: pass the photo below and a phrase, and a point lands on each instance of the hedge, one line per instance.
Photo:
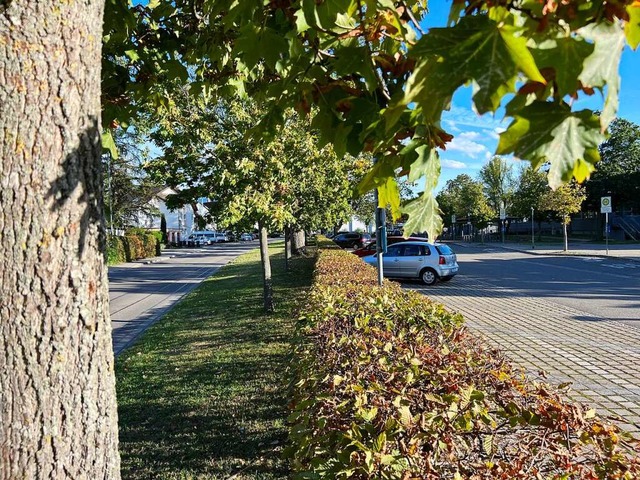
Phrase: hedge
(115, 250)
(131, 247)
(388, 384)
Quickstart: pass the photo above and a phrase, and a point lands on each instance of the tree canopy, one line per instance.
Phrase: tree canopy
(618, 173)
(287, 182)
(377, 82)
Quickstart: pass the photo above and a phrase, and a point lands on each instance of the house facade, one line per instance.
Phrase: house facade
(181, 222)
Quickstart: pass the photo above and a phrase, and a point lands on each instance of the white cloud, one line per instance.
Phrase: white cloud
(466, 146)
(471, 135)
(453, 164)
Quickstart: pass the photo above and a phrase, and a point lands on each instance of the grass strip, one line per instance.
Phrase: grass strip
(203, 393)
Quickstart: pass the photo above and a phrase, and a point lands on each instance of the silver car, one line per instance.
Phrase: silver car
(422, 260)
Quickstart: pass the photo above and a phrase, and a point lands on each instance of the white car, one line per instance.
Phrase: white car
(421, 260)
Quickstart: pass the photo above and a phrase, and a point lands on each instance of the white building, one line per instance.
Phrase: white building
(180, 222)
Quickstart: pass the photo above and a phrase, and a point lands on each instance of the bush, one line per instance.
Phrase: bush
(149, 243)
(115, 250)
(134, 249)
(389, 385)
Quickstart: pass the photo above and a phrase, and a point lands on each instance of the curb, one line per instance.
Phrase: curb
(569, 253)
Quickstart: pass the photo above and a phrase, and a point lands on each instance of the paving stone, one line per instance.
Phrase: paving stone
(600, 357)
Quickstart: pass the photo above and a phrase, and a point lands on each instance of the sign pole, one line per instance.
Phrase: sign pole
(606, 229)
(606, 208)
(533, 237)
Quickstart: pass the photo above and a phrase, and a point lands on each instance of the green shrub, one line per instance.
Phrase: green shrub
(326, 243)
(134, 248)
(389, 385)
(115, 250)
(149, 242)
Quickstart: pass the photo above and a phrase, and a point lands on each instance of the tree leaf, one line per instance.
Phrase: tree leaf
(388, 194)
(549, 132)
(601, 67)
(108, 144)
(424, 215)
(477, 48)
(426, 165)
(632, 27)
(566, 56)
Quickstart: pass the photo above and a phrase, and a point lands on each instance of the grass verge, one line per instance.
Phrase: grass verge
(203, 393)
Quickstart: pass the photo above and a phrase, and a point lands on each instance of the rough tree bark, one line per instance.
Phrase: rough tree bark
(266, 269)
(58, 416)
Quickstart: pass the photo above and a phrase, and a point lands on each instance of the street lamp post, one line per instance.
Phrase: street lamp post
(533, 238)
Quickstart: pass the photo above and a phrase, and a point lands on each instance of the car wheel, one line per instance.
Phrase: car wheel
(355, 245)
(428, 276)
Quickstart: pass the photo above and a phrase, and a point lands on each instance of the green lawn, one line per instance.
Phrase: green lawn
(203, 394)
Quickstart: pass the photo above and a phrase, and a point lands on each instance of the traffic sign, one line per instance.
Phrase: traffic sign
(605, 205)
(503, 213)
(453, 219)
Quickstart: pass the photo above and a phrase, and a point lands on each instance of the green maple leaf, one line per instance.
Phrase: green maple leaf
(478, 49)
(427, 165)
(632, 27)
(424, 215)
(549, 132)
(601, 67)
(388, 194)
(566, 56)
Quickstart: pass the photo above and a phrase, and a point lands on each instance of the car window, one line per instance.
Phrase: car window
(393, 251)
(411, 251)
(444, 250)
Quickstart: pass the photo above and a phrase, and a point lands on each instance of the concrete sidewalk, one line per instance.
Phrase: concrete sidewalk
(623, 251)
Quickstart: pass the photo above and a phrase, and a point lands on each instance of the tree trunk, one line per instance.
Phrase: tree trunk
(287, 246)
(566, 239)
(298, 240)
(58, 416)
(266, 269)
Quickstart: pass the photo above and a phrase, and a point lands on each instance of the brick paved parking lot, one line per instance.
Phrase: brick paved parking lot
(601, 358)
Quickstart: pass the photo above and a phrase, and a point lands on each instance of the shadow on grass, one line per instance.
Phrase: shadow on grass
(203, 393)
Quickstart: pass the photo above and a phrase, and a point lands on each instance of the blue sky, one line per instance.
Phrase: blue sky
(476, 137)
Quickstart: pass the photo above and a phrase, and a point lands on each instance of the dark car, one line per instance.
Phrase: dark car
(351, 239)
(370, 248)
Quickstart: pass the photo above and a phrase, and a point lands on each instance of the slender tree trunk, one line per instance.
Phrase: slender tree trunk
(566, 239)
(266, 269)
(58, 416)
(298, 241)
(287, 246)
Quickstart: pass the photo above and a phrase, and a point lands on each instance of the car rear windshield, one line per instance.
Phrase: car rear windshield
(444, 250)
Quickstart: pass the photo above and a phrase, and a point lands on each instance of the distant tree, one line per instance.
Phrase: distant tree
(531, 186)
(498, 183)
(464, 197)
(618, 172)
(563, 202)
(128, 189)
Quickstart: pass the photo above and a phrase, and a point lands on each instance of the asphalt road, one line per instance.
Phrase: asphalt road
(139, 293)
(606, 288)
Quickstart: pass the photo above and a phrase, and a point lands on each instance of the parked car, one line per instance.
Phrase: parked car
(421, 260)
(246, 237)
(205, 237)
(370, 248)
(351, 239)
